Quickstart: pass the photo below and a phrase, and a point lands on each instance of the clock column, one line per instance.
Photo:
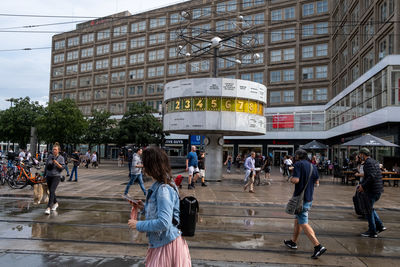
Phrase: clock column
(214, 150)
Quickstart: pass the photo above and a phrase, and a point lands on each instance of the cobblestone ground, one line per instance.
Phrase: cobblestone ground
(235, 228)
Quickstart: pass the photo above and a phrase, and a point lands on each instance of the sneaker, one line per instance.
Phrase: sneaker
(190, 187)
(47, 211)
(290, 244)
(369, 234)
(55, 206)
(318, 251)
(380, 230)
(193, 185)
(203, 184)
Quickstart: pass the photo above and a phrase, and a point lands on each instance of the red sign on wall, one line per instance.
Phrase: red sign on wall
(282, 121)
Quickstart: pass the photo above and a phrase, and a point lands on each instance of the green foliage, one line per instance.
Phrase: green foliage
(139, 126)
(16, 121)
(99, 128)
(61, 122)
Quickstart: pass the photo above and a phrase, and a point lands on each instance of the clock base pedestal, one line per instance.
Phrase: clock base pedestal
(214, 153)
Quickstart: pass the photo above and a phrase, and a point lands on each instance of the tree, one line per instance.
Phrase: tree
(139, 126)
(62, 122)
(16, 121)
(99, 128)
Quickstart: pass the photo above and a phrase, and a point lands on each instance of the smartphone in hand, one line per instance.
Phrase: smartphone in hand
(131, 200)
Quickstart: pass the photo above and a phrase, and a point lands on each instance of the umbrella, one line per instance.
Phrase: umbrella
(369, 140)
(314, 145)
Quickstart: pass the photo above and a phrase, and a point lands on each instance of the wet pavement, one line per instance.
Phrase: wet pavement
(235, 228)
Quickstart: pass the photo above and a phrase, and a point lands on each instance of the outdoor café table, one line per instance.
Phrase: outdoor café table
(389, 176)
(347, 176)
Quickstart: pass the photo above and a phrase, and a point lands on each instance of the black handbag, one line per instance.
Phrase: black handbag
(295, 204)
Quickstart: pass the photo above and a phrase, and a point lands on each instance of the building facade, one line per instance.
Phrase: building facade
(327, 65)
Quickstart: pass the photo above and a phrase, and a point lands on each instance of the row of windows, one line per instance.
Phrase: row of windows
(307, 95)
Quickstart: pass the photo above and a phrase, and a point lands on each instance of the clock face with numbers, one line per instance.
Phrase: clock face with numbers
(206, 141)
(221, 141)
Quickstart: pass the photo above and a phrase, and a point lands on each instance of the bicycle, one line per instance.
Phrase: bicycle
(23, 176)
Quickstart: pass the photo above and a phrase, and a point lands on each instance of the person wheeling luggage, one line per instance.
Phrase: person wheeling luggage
(166, 245)
(192, 166)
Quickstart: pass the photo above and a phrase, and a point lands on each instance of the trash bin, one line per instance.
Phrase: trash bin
(189, 209)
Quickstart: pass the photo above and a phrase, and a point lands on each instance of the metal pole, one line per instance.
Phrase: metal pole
(215, 70)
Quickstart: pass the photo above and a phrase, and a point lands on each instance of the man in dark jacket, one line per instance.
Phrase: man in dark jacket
(372, 185)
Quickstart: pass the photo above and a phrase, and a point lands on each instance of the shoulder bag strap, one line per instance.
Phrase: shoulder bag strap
(309, 177)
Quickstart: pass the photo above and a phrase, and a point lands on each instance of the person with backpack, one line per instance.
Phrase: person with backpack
(166, 245)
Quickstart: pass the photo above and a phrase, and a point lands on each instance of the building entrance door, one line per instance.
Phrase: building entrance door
(278, 156)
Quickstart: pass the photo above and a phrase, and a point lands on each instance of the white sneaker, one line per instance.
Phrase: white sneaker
(55, 206)
(47, 211)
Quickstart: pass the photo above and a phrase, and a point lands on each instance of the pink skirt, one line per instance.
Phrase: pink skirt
(173, 254)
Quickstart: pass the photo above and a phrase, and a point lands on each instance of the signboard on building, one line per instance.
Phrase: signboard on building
(196, 140)
(283, 121)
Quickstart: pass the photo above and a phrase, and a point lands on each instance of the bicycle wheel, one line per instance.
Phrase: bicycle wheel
(18, 182)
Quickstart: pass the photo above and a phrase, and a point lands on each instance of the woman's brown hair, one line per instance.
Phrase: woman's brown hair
(156, 164)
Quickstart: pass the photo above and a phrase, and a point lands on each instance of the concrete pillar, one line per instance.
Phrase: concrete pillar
(214, 152)
(33, 141)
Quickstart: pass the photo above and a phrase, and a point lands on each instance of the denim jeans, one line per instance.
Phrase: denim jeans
(135, 177)
(66, 169)
(74, 169)
(374, 222)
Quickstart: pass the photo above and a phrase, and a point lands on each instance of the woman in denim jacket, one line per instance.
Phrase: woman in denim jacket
(167, 247)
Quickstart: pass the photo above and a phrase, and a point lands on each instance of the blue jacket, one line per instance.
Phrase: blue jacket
(162, 205)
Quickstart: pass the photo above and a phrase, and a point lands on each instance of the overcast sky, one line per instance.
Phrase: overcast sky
(27, 73)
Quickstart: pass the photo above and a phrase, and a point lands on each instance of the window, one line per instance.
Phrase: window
(57, 85)
(116, 108)
(73, 41)
(71, 83)
(136, 58)
(308, 51)
(138, 42)
(155, 88)
(100, 107)
(72, 69)
(104, 34)
(288, 34)
(288, 96)
(322, 28)
(118, 77)
(321, 50)
(308, 30)
(288, 54)
(354, 45)
(87, 38)
(101, 79)
(138, 26)
(176, 69)
(321, 94)
(275, 76)
(88, 66)
(355, 72)
(250, 3)
(226, 6)
(289, 13)
(225, 25)
(251, 20)
(175, 18)
(308, 9)
(254, 39)
(85, 81)
(155, 72)
(174, 34)
(56, 98)
(59, 45)
(121, 30)
(88, 52)
(117, 92)
(258, 77)
(175, 51)
(73, 55)
(307, 95)
(201, 12)
(100, 94)
(197, 66)
(321, 72)
(275, 97)
(288, 75)
(136, 74)
(103, 49)
(58, 58)
(368, 60)
(58, 71)
(199, 29)
(85, 95)
(368, 29)
(157, 38)
(135, 90)
(322, 6)
(101, 64)
(71, 96)
(156, 55)
(308, 73)
(120, 46)
(276, 36)
(276, 15)
(157, 22)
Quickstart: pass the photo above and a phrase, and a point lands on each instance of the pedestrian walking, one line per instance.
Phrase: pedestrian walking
(121, 157)
(372, 185)
(228, 163)
(301, 175)
(267, 168)
(54, 166)
(192, 167)
(87, 158)
(136, 172)
(249, 166)
(166, 245)
(202, 168)
(75, 161)
(94, 160)
(65, 156)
